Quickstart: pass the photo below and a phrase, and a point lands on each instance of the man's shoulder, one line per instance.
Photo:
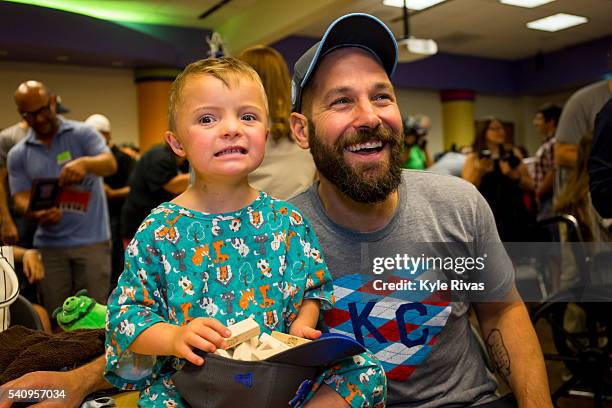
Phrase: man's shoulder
(75, 127)
(432, 185)
(17, 150)
(592, 96)
(304, 201)
(287, 208)
(155, 153)
(300, 198)
(13, 132)
(120, 155)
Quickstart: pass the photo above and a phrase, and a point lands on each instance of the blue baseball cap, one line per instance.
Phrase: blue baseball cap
(352, 30)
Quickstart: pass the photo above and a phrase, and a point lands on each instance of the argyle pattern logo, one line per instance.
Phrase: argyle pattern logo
(398, 327)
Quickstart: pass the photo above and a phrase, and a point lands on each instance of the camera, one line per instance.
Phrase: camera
(484, 154)
(509, 157)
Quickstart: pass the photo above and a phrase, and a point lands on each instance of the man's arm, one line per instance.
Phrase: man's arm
(76, 384)
(8, 230)
(49, 216)
(566, 154)
(116, 193)
(546, 186)
(103, 164)
(515, 350)
(600, 162)
(177, 184)
(22, 201)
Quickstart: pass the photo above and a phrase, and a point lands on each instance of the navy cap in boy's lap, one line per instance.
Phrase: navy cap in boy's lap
(352, 30)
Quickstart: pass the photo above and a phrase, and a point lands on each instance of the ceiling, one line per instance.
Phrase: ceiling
(483, 28)
(487, 28)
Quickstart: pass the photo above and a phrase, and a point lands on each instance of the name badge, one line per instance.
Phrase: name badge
(64, 157)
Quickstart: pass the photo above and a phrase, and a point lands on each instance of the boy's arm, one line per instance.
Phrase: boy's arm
(306, 320)
(165, 339)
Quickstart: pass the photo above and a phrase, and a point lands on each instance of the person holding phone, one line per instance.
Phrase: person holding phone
(497, 170)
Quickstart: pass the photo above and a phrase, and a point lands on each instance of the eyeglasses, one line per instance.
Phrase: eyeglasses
(31, 116)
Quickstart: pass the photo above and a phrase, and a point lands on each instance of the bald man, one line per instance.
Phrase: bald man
(73, 237)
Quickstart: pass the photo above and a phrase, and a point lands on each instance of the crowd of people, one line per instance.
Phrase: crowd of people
(178, 235)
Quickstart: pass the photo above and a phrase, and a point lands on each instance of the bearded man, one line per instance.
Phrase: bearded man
(368, 213)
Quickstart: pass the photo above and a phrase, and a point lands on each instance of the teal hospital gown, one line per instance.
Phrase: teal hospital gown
(261, 262)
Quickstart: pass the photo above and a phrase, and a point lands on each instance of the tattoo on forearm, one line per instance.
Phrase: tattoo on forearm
(499, 352)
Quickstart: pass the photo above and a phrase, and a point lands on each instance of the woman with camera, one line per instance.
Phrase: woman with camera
(497, 170)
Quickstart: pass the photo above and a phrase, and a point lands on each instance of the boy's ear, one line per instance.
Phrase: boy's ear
(174, 143)
(299, 129)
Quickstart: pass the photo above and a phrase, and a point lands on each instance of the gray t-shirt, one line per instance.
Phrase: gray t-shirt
(9, 137)
(578, 118)
(425, 344)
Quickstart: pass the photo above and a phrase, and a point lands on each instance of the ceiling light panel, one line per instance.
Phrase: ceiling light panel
(413, 4)
(557, 22)
(526, 3)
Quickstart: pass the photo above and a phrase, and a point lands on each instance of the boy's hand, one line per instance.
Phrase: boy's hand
(304, 331)
(203, 333)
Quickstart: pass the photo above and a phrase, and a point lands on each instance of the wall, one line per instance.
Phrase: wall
(520, 111)
(84, 90)
(112, 92)
(418, 101)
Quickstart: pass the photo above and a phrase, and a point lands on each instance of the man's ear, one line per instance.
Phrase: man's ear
(174, 143)
(299, 128)
(53, 103)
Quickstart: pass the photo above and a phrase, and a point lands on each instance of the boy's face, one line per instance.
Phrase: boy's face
(222, 131)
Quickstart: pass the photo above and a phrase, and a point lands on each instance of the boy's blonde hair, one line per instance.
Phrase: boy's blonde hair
(228, 70)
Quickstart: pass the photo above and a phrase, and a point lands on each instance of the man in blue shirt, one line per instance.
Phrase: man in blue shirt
(73, 237)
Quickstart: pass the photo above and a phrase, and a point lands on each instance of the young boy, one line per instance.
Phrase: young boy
(221, 251)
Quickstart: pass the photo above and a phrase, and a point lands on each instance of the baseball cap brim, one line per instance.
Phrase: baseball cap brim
(352, 30)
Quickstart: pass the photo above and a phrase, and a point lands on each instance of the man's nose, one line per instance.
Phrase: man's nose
(40, 119)
(366, 115)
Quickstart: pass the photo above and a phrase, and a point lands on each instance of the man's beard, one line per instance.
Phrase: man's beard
(367, 183)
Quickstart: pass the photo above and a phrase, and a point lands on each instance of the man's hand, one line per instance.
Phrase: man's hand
(66, 381)
(203, 333)
(32, 266)
(73, 171)
(50, 216)
(304, 331)
(8, 232)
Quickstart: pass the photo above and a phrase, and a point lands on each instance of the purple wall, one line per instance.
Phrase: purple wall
(566, 68)
(556, 71)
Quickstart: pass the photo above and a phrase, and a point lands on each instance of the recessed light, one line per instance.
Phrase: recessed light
(412, 4)
(525, 3)
(557, 22)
